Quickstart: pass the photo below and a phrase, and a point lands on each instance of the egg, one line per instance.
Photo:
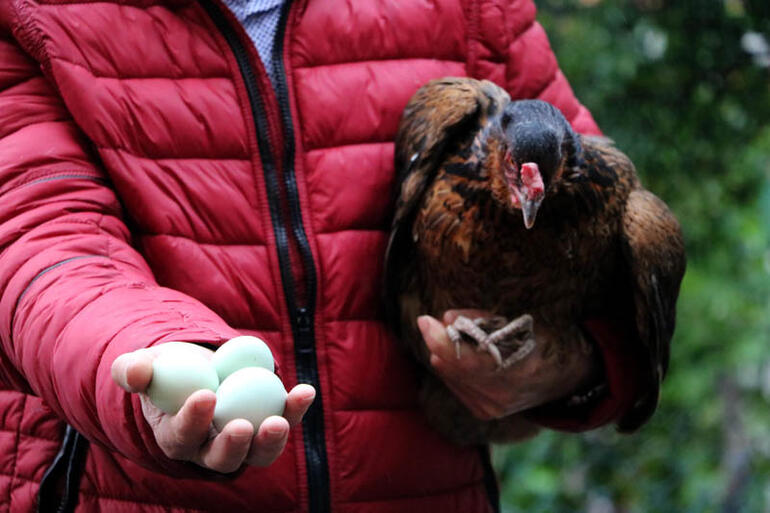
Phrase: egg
(240, 352)
(177, 372)
(251, 393)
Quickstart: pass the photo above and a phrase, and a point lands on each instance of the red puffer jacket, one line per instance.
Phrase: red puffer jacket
(154, 187)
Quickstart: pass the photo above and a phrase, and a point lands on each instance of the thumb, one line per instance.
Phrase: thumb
(133, 371)
(432, 330)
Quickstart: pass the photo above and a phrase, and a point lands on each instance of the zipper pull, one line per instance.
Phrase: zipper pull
(303, 321)
(304, 325)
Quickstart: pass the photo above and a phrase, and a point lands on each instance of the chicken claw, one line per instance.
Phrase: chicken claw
(473, 329)
(520, 330)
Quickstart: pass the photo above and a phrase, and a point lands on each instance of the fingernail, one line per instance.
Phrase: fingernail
(430, 327)
(309, 393)
(204, 405)
(240, 438)
(423, 322)
(276, 431)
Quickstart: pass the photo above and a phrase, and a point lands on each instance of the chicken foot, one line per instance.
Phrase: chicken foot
(520, 330)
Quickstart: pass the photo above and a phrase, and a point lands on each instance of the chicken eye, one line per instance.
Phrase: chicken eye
(509, 169)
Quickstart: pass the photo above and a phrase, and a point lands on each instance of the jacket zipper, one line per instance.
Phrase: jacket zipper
(301, 315)
(59, 486)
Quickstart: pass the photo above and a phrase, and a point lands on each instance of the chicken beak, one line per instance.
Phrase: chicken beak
(529, 207)
(529, 210)
(530, 192)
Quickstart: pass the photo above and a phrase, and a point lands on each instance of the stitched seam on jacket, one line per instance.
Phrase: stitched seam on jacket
(382, 230)
(345, 144)
(459, 60)
(163, 157)
(201, 243)
(126, 77)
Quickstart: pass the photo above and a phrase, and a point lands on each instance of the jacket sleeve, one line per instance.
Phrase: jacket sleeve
(530, 70)
(74, 294)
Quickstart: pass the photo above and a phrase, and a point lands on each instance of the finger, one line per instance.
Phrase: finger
(297, 402)
(133, 371)
(450, 315)
(438, 343)
(180, 436)
(269, 442)
(227, 451)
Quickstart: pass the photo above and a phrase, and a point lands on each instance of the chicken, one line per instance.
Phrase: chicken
(504, 208)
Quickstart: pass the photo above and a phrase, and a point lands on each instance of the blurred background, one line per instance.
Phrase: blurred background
(684, 89)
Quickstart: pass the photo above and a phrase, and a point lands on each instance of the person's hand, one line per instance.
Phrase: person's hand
(190, 436)
(491, 393)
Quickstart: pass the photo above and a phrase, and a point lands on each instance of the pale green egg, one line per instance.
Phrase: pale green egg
(251, 393)
(240, 352)
(178, 372)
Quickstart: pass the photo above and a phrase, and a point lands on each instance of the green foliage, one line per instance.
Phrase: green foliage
(684, 89)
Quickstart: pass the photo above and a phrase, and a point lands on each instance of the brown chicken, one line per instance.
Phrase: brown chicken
(504, 208)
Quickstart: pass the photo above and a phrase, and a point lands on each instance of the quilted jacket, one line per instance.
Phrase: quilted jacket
(154, 186)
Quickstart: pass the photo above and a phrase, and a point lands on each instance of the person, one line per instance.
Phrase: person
(166, 177)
